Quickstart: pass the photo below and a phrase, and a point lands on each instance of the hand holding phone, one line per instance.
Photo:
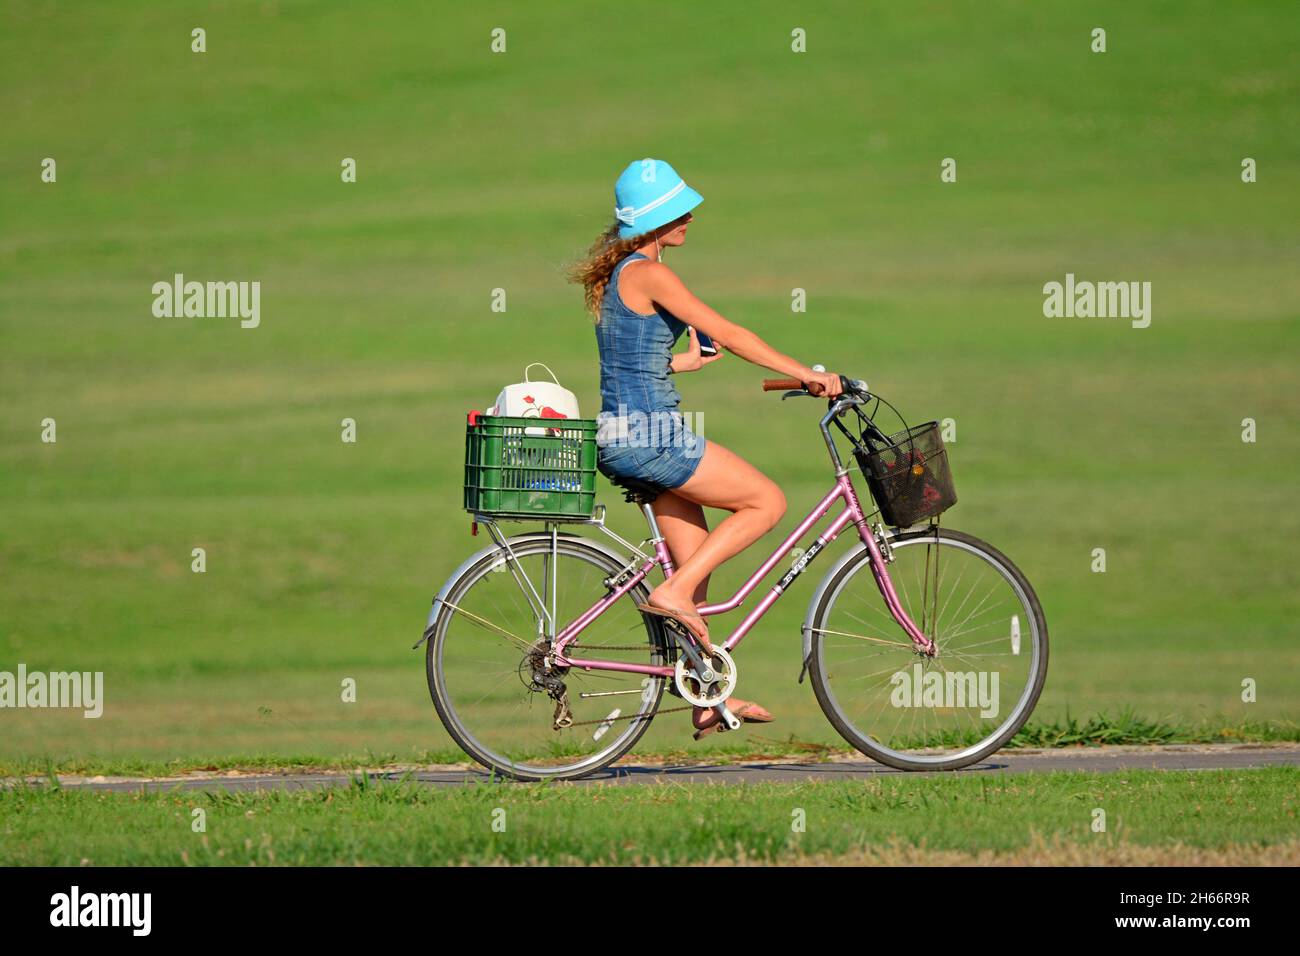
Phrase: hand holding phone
(707, 348)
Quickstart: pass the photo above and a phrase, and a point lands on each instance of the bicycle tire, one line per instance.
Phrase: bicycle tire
(524, 546)
(826, 698)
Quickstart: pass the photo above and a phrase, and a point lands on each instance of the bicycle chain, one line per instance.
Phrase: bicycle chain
(606, 720)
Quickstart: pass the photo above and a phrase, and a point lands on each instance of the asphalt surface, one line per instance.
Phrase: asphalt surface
(1096, 759)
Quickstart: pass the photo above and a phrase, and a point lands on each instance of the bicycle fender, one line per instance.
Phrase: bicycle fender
(489, 550)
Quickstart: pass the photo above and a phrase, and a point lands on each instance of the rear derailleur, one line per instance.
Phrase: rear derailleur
(539, 673)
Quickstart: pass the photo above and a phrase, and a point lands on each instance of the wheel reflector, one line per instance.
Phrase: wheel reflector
(605, 724)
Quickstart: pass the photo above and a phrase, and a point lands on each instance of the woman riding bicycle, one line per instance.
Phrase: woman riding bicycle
(641, 309)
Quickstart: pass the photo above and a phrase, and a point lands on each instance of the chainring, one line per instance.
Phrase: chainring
(702, 693)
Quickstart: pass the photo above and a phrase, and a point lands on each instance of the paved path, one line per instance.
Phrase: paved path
(1096, 759)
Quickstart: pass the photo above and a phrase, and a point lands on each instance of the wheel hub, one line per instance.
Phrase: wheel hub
(538, 672)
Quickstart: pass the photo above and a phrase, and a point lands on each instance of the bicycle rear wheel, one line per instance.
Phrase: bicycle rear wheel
(486, 667)
(915, 712)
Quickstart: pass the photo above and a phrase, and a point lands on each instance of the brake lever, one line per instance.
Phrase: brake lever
(797, 394)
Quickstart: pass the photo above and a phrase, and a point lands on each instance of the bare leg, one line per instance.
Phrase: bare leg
(722, 480)
(685, 531)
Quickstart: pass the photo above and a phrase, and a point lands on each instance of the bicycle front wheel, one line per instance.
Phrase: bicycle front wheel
(487, 668)
(915, 712)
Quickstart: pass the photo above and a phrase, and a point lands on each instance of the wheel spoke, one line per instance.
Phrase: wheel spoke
(861, 637)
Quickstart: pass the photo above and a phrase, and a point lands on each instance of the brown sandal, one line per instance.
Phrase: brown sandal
(680, 616)
(744, 715)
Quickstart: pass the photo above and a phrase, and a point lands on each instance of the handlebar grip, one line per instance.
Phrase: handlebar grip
(782, 384)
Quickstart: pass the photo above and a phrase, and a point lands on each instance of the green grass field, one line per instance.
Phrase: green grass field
(1150, 818)
(479, 171)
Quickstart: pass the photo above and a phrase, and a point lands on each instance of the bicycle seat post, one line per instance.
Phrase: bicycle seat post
(655, 535)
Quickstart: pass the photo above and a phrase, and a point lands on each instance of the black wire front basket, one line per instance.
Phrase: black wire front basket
(909, 477)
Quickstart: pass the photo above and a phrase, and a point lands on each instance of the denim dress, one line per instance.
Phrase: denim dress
(641, 433)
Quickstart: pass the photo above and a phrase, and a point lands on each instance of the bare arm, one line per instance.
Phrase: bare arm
(661, 285)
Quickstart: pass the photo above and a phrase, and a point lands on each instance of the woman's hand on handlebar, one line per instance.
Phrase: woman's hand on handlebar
(823, 384)
(820, 384)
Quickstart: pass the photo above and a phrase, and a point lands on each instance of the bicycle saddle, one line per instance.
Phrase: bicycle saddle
(636, 491)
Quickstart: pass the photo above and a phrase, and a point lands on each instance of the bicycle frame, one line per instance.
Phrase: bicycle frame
(852, 514)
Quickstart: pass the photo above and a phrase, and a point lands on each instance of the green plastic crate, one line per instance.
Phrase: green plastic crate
(530, 467)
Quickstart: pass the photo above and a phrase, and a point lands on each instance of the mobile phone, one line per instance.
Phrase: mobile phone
(706, 344)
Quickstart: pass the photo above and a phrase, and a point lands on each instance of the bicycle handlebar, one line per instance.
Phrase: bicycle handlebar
(782, 384)
(849, 386)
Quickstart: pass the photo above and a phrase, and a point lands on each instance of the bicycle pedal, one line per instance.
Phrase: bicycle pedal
(677, 627)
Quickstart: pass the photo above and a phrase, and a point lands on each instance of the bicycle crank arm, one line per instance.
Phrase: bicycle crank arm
(692, 655)
(729, 720)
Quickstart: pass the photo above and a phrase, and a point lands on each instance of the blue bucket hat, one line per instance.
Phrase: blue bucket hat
(650, 194)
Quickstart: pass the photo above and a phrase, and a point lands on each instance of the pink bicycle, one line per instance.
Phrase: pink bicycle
(926, 647)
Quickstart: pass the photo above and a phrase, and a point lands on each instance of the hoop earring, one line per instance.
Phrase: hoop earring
(659, 256)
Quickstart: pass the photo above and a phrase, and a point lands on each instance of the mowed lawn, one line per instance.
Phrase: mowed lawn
(1143, 818)
(481, 171)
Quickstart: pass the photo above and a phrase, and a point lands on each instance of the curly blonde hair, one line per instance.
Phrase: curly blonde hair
(593, 271)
